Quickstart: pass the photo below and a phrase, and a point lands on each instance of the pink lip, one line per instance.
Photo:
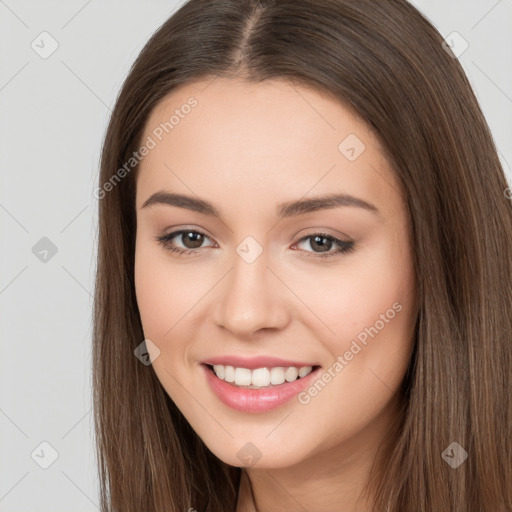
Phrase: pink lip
(256, 400)
(255, 362)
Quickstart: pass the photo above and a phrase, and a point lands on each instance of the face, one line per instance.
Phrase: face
(272, 244)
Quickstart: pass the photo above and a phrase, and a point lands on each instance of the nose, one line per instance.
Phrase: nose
(251, 298)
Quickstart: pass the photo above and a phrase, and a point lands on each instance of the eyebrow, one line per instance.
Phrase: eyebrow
(287, 209)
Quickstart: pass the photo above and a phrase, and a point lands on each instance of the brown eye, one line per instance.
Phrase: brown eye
(193, 238)
(190, 240)
(321, 245)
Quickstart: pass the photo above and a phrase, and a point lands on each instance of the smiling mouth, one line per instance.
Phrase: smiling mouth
(260, 378)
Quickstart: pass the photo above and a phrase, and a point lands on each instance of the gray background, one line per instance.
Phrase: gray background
(54, 113)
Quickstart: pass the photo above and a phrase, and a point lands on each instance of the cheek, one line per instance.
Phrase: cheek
(167, 297)
(165, 293)
(369, 303)
(169, 301)
(154, 295)
(354, 296)
(160, 310)
(366, 309)
(370, 316)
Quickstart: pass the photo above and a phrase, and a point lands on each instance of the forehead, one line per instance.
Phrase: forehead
(274, 139)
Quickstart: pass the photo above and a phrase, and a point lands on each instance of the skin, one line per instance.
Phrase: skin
(247, 148)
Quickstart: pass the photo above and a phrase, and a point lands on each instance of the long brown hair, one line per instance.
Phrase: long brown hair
(385, 61)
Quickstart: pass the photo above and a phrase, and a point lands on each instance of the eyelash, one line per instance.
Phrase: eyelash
(343, 246)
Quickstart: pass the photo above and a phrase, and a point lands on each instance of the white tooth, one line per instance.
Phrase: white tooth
(229, 374)
(305, 370)
(219, 370)
(277, 375)
(260, 377)
(243, 376)
(291, 373)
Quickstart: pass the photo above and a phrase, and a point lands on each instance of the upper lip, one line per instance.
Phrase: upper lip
(255, 362)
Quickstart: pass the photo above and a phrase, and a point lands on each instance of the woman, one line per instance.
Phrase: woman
(304, 281)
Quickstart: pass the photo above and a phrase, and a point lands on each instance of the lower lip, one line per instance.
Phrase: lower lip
(255, 400)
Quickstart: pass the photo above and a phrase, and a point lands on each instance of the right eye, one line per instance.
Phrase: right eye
(188, 236)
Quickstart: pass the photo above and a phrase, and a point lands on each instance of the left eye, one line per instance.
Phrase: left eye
(317, 240)
(193, 240)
